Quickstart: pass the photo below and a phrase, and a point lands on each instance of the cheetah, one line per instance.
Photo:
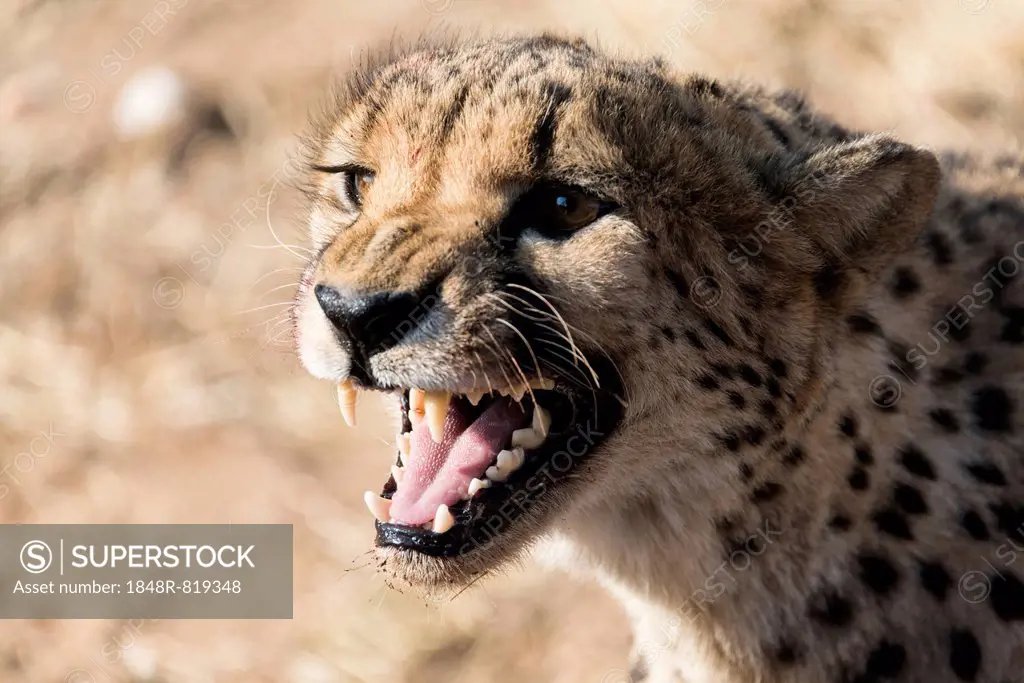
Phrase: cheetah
(759, 374)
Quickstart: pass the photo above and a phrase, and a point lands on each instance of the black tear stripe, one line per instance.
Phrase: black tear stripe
(543, 136)
(453, 115)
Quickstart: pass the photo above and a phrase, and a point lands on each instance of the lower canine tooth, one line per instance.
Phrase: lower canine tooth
(347, 397)
(443, 520)
(436, 405)
(476, 485)
(379, 507)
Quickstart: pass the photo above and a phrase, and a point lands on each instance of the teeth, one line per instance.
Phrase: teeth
(541, 421)
(476, 485)
(527, 438)
(404, 447)
(517, 392)
(475, 396)
(379, 507)
(443, 520)
(436, 404)
(347, 397)
(397, 473)
(494, 474)
(545, 383)
(417, 401)
(510, 461)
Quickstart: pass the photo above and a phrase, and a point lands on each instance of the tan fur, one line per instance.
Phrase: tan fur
(770, 280)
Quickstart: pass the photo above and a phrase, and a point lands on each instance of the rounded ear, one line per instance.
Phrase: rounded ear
(863, 202)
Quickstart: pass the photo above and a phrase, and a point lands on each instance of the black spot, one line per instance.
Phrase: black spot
(900, 358)
(746, 471)
(964, 654)
(1009, 518)
(942, 252)
(795, 456)
(877, 573)
(885, 661)
(778, 366)
(905, 283)
(1007, 597)
(832, 609)
(730, 440)
(722, 370)
(736, 400)
(975, 363)
(785, 653)
(707, 382)
(766, 492)
(909, 499)
(718, 331)
(862, 323)
(848, 425)
(754, 434)
(1013, 328)
(987, 473)
(750, 375)
(679, 282)
(916, 462)
(697, 342)
(863, 454)
(974, 525)
(935, 579)
(993, 409)
(944, 418)
(892, 522)
(858, 479)
(773, 387)
(669, 333)
(768, 409)
(828, 280)
(747, 326)
(840, 522)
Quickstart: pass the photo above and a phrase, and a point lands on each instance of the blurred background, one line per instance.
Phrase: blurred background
(147, 369)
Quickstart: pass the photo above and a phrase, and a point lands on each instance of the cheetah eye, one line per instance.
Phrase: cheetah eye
(357, 182)
(560, 209)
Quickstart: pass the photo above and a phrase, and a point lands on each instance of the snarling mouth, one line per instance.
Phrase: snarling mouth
(470, 464)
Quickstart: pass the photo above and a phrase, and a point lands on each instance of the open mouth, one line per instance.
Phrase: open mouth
(470, 464)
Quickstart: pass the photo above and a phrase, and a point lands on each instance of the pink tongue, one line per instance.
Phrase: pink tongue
(437, 473)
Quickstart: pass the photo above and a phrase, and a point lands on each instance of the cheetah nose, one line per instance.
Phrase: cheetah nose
(371, 322)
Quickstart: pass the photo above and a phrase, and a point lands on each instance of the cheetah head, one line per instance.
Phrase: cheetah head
(544, 253)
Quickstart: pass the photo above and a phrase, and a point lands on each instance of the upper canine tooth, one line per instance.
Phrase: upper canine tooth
(436, 404)
(347, 397)
(443, 520)
(379, 507)
(527, 438)
(542, 383)
(541, 421)
(417, 400)
(475, 396)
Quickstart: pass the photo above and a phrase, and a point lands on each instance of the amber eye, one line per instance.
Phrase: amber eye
(357, 184)
(572, 210)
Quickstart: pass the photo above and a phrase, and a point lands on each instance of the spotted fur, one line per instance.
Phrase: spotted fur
(819, 476)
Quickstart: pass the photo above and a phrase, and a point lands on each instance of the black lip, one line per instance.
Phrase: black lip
(580, 421)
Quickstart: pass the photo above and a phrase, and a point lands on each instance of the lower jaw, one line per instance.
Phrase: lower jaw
(498, 519)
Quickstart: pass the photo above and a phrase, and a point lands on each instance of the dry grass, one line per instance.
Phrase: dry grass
(195, 410)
